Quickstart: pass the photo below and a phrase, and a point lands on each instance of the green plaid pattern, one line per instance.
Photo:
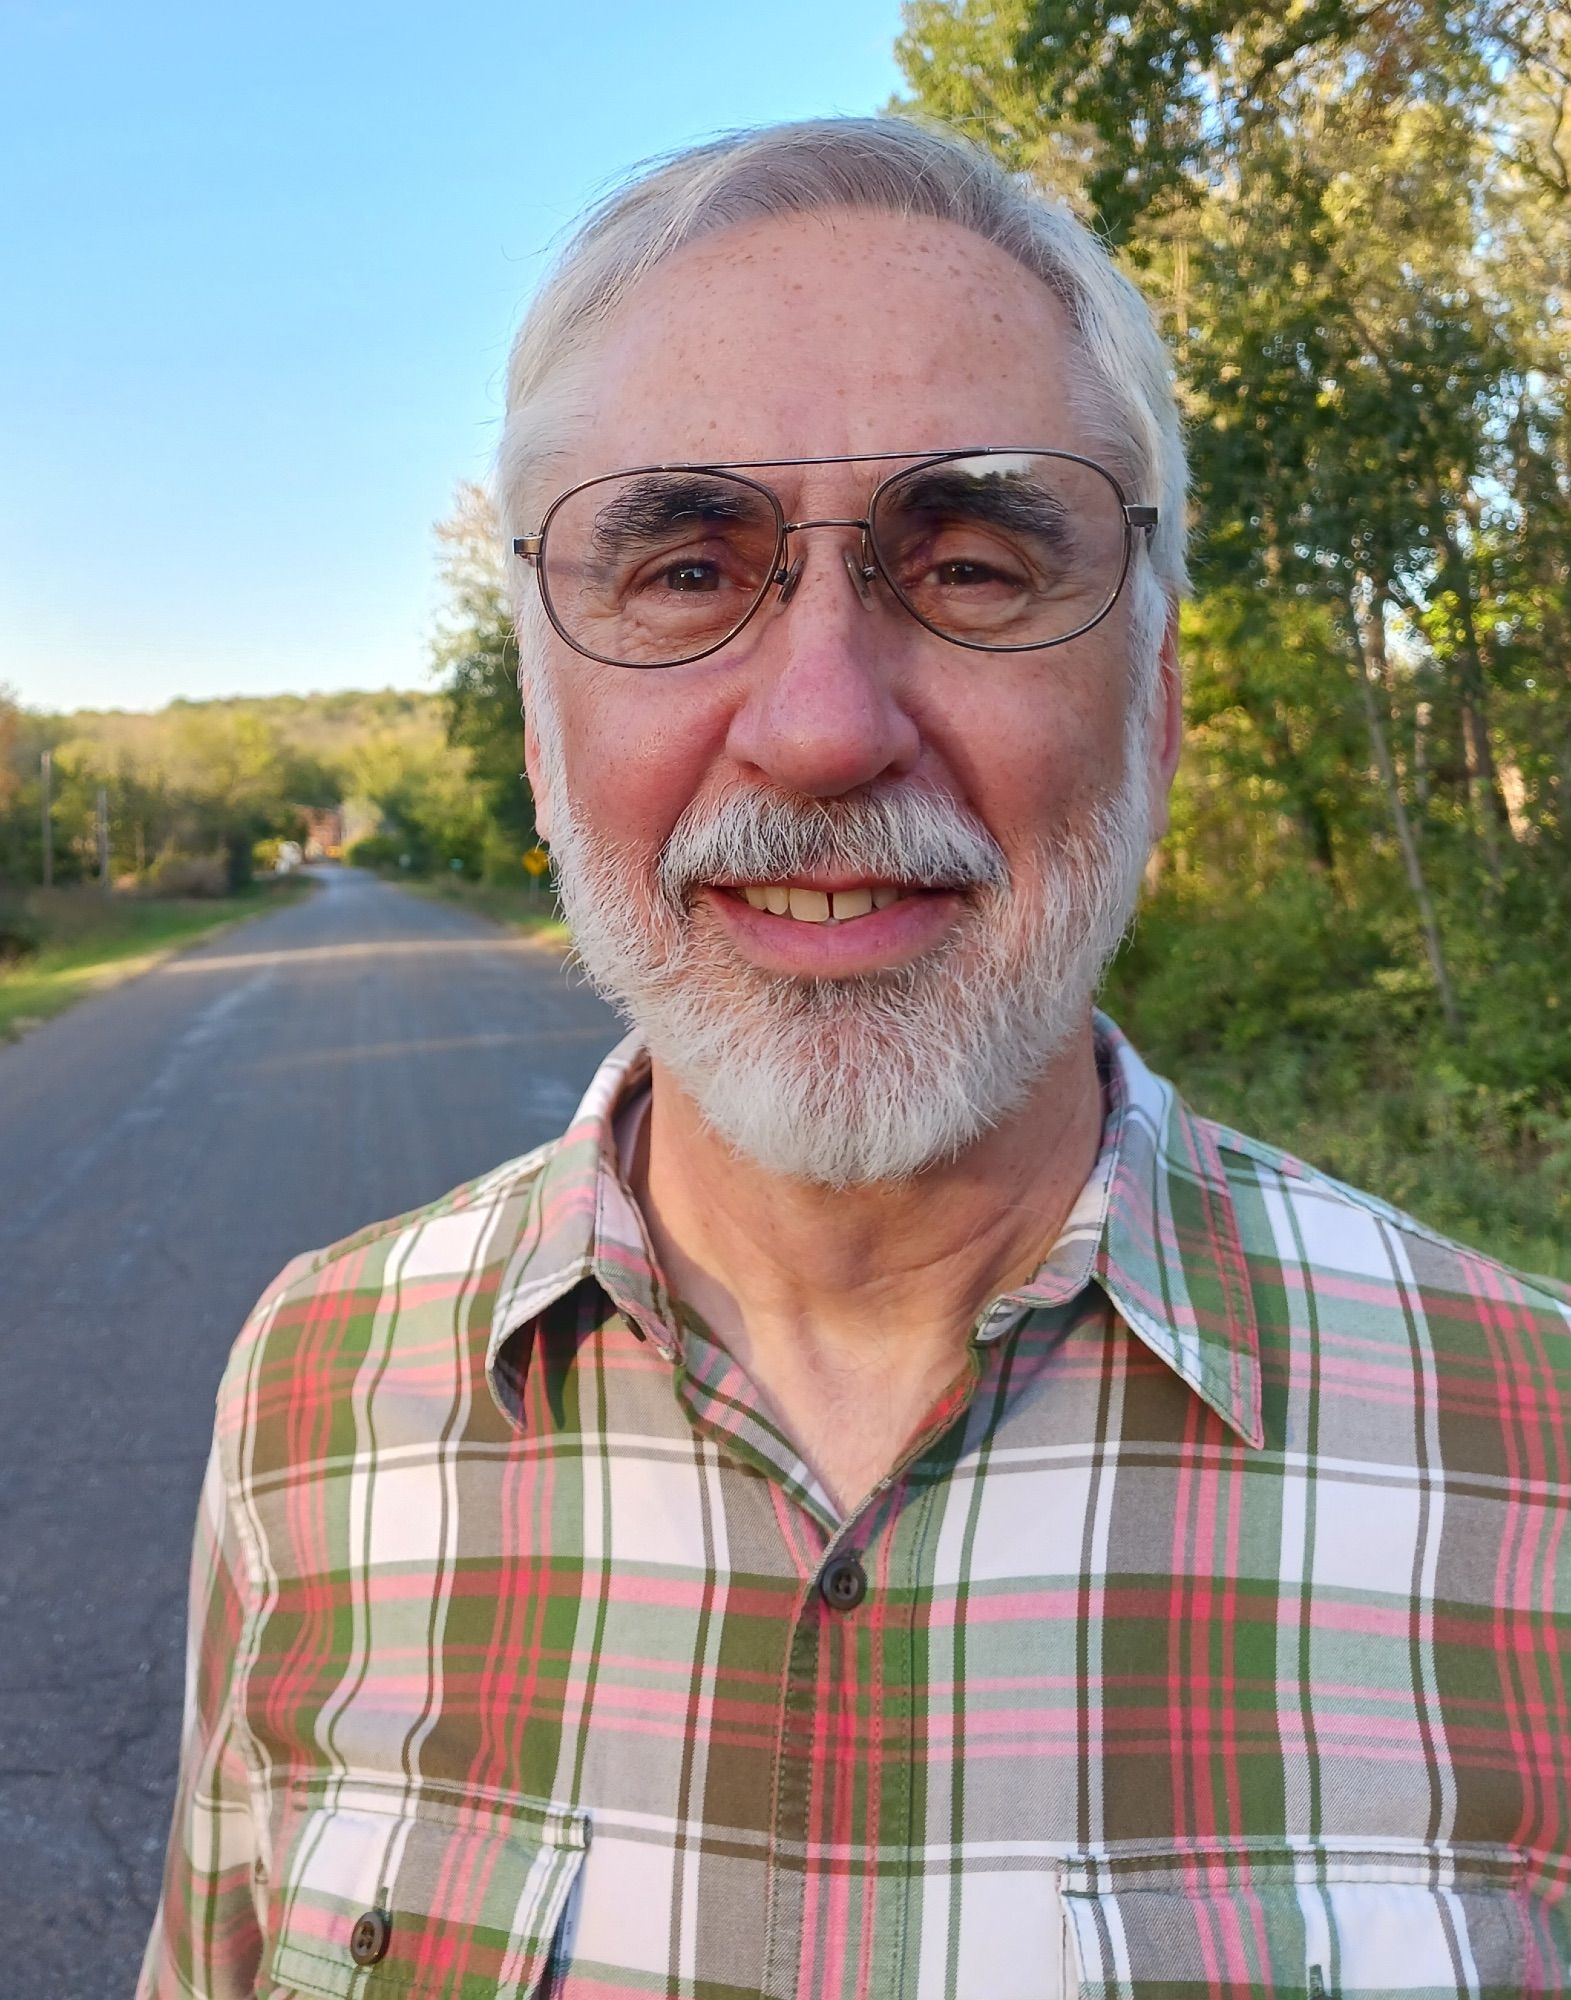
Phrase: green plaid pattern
(1213, 1639)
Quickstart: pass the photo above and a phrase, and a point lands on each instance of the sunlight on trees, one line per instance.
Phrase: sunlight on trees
(1355, 224)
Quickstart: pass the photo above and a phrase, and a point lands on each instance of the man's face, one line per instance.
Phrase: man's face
(1002, 801)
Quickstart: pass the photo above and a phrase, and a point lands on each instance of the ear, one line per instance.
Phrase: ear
(1167, 725)
(532, 769)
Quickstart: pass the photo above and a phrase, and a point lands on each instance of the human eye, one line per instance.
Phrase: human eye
(694, 574)
(1003, 549)
(685, 575)
(960, 568)
(679, 545)
(960, 558)
(699, 581)
(965, 532)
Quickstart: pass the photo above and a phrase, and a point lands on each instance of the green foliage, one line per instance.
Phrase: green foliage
(1355, 226)
(1288, 1018)
(476, 654)
(426, 803)
(195, 875)
(195, 780)
(21, 932)
(377, 850)
(231, 779)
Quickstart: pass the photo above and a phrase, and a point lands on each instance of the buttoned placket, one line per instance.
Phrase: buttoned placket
(844, 1601)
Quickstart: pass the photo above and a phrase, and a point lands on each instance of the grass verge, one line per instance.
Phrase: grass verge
(524, 908)
(91, 941)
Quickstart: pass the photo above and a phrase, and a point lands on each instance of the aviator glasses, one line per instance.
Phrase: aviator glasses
(999, 549)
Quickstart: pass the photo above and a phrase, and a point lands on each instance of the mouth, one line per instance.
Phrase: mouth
(834, 929)
(806, 903)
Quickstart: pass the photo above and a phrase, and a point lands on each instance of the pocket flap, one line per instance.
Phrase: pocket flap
(1303, 1923)
(384, 1891)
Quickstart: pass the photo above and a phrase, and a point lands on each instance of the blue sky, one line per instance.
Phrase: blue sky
(258, 271)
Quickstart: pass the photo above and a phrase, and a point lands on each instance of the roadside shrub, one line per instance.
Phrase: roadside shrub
(192, 875)
(460, 852)
(20, 932)
(264, 856)
(237, 863)
(376, 850)
(501, 859)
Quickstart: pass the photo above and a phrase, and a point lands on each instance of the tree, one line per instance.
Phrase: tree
(1354, 221)
(476, 653)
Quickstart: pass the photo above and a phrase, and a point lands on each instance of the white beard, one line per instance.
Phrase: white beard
(843, 1082)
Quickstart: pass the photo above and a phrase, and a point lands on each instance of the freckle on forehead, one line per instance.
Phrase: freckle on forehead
(816, 335)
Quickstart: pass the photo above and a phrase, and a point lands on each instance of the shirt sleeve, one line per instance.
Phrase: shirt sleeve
(206, 1942)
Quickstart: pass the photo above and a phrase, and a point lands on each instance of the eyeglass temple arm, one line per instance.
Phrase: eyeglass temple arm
(527, 546)
(1137, 517)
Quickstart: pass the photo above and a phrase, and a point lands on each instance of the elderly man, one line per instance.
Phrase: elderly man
(891, 1503)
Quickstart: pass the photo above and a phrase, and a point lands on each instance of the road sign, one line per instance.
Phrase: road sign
(536, 861)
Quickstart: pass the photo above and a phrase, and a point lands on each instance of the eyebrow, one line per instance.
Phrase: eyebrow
(646, 509)
(1001, 502)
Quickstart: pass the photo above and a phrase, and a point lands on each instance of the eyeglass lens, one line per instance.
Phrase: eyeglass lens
(1000, 550)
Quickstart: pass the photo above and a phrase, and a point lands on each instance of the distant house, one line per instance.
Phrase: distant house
(324, 832)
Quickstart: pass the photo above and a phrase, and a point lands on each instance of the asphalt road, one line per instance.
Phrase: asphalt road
(164, 1149)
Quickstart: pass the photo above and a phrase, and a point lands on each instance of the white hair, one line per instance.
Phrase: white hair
(889, 165)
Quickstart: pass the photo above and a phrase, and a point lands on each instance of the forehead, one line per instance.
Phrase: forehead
(831, 334)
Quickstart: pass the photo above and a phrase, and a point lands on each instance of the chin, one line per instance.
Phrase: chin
(845, 1089)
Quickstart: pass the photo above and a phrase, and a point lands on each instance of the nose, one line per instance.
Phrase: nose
(825, 709)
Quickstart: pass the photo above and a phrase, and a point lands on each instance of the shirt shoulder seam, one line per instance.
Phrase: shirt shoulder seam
(1228, 1139)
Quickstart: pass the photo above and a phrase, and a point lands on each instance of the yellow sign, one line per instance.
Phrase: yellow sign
(536, 860)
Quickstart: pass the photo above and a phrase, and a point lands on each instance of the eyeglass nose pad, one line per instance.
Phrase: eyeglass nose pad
(789, 579)
(861, 574)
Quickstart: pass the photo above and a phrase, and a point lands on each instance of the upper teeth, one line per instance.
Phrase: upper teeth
(817, 906)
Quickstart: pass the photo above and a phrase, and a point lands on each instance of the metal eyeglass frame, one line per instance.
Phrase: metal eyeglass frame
(531, 548)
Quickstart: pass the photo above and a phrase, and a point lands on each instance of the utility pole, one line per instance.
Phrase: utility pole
(47, 771)
(103, 839)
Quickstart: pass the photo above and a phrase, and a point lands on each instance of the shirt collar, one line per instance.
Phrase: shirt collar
(1168, 1251)
(1155, 1226)
(582, 1222)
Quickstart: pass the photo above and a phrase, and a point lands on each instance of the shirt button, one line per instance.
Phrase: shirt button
(368, 1941)
(843, 1584)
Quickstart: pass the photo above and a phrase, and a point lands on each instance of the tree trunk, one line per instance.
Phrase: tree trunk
(1368, 636)
(1483, 779)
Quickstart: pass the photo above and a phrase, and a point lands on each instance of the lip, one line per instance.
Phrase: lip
(829, 882)
(878, 942)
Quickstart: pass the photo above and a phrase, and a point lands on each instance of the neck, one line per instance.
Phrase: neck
(851, 1309)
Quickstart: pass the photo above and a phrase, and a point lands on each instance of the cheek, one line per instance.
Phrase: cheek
(636, 756)
(1035, 749)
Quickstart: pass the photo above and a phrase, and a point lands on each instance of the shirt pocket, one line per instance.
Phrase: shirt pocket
(1305, 1922)
(389, 1890)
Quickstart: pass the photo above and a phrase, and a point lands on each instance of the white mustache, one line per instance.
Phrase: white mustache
(903, 834)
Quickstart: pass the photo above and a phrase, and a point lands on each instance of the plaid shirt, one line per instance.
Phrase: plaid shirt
(1208, 1639)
